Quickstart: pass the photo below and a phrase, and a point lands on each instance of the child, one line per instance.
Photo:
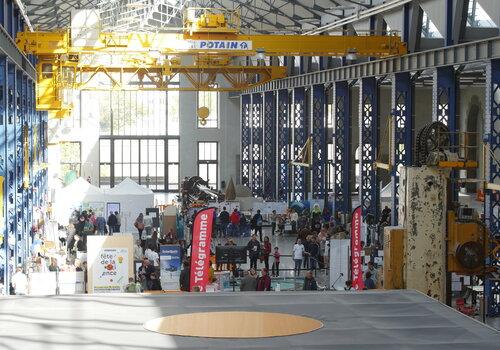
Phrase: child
(276, 264)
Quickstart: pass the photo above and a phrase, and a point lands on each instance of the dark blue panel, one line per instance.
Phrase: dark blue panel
(246, 140)
(257, 145)
(283, 135)
(300, 135)
(369, 121)
(492, 174)
(402, 127)
(445, 97)
(270, 145)
(5, 251)
(318, 142)
(342, 144)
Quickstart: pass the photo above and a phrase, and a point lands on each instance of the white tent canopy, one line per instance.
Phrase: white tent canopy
(132, 198)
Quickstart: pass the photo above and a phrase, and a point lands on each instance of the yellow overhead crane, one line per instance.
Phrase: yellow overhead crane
(210, 49)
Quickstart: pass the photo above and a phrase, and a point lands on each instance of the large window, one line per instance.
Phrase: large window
(331, 168)
(70, 160)
(208, 162)
(151, 162)
(209, 99)
(133, 113)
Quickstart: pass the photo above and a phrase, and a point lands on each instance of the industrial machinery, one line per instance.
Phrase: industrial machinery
(467, 242)
(433, 147)
(210, 52)
(196, 192)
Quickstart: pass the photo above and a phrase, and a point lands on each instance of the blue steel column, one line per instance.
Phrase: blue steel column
(492, 174)
(270, 145)
(402, 133)
(369, 129)
(444, 109)
(4, 172)
(342, 144)
(283, 135)
(246, 161)
(257, 141)
(11, 219)
(20, 234)
(318, 142)
(300, 134)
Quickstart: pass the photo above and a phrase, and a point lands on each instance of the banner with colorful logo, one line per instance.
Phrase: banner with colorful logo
(200, 249)
(170, 266)
(356, 258)
(110, 273)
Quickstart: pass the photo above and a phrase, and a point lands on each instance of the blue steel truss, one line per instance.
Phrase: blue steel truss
(492, 174)
(283, 136)
(300, 134)
(318, 142)
(246, 139)
(369, 129)
(257, 145)
(342, 144)
(402, 129)
(270, 145)
(444, 97)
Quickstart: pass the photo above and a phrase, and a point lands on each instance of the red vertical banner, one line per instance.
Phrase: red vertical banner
(356, 258)
(200, 249)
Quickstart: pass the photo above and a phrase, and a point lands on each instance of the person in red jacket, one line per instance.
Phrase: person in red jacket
(264, 282)
(234, 218)
(266, 251)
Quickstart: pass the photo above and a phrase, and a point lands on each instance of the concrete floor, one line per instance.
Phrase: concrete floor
(371, 319)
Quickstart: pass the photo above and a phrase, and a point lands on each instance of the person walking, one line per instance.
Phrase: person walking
(276, 264)
(223, 222)
(264, 281)
(273, 218)
(253, 247)
(139, 225)
(118, 221)
(266, 251)
(111, 223)
(313, 253)
(298, 255)
(257, 224)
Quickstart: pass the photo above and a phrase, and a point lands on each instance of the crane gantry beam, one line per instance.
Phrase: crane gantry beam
(210, 50)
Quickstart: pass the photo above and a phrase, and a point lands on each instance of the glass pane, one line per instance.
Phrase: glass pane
(126, 170)
(126, 151)
(118, 151)
(104, 173)
(134, 150)
(212, 175)
(160, 151)
(144, 151)
(104, 151)
(152, 151)
(118, 170)
(70, 152)
(173, 151)
(173, 112)
(202, 171)
(173, 177)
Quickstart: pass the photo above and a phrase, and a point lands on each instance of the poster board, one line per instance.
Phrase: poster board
(170, 266)
(267, 208)
(339, 263)
(110, 263)
(230, 206)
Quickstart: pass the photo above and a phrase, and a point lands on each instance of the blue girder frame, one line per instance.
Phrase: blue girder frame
(246, 139)
(270, 145)
(283, 139)
(300, 135)
(369, 130)
(342, 147)
(257, 145)
(318, 134)
(402, 133)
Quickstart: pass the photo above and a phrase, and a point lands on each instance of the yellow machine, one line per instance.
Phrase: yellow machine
(209, 48)
(468, 243)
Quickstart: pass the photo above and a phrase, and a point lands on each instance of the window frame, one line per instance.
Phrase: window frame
(208, 162)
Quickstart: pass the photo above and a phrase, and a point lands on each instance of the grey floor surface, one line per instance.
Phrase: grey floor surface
(359, 320)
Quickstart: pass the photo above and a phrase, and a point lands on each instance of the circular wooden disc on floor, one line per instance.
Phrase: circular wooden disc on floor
(234, 324)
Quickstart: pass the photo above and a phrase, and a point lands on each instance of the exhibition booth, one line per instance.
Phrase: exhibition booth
(128, 198)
